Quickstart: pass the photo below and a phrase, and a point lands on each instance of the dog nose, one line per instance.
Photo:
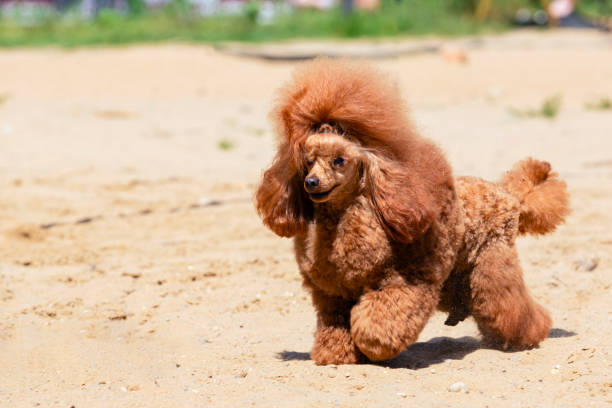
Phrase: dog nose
(311, 182)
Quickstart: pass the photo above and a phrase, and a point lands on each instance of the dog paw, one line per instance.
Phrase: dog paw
(375, 344)
(382, 325)
(521, 332)
(335, 346)
(536, 328)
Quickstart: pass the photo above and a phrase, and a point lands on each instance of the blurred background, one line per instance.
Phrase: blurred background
(74, 22)
(134, 271)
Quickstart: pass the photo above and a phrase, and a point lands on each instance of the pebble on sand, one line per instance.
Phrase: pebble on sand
(586, 262)
(207, 201)
(458, 387)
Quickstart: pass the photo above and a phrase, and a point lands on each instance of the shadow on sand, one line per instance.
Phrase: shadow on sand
(434, 351)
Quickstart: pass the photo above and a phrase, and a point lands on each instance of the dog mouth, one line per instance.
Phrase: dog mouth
(322, 195)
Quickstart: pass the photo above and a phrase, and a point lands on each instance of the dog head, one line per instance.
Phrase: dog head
(333, 170)
(343, 131)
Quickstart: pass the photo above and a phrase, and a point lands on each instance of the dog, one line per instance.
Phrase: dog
(384, 234)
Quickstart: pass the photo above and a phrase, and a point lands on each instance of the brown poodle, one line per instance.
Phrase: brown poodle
(384, 234)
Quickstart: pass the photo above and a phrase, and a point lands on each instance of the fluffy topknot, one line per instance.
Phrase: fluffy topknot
(355, 97)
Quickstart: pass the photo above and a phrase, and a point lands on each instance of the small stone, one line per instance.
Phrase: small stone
(495, 93)
(458, 387)
(402, 394)
(586, 263)
(207, 201)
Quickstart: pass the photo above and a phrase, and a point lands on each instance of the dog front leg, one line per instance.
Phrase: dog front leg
(385, 321)
(333, 343)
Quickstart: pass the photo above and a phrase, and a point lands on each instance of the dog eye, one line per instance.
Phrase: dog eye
(309, 162)
(339, 162)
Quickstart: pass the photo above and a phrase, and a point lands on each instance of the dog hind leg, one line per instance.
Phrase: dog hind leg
(500, 302)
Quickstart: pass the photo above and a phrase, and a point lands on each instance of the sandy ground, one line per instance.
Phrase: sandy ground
(120, 285)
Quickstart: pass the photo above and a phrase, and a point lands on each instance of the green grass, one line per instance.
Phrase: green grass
(225, 144)
(409, 17)
(595, 8)
(549, 108)
(601, 104)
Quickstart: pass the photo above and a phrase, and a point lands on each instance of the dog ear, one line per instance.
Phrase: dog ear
(399, 198)
(280, 199)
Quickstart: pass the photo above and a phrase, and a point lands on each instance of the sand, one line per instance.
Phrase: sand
(134, 271)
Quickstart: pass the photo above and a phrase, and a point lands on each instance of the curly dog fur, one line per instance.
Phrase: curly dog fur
(384, 233)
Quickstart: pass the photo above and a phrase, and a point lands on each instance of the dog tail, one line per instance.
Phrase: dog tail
(543, 196)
